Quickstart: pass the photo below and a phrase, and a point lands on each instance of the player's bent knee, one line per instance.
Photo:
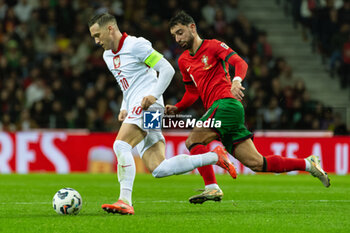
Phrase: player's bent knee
(119, 146)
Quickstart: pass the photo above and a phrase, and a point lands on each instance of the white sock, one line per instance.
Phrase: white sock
(126, 170)
(201, 160)
(212, 186)
(125, 195)
(184, 163)
(307, 165)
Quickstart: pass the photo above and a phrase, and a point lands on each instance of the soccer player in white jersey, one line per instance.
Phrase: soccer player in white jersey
(133, 62)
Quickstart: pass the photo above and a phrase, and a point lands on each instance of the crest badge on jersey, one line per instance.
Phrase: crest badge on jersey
(116, 62)
(205, 60)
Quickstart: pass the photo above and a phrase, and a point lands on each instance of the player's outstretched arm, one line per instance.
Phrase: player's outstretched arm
(241, 67)
(240, 72)
(166, 73)
(191, 95)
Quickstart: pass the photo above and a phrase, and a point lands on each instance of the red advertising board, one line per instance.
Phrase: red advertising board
(64, 152)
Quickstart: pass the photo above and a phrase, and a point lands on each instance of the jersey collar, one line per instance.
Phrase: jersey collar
(121, 42)
(197, 49)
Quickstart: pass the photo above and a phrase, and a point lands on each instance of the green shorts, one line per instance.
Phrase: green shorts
(231, 114)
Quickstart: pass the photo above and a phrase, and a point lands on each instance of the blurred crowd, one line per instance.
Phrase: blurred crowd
(326, 24)
(52, 75)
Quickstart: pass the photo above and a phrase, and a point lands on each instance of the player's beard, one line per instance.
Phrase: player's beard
(188, 43)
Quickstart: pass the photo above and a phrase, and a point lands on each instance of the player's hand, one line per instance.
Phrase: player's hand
(171, 109)
(148, 101)
(122, 115)
(237, 90)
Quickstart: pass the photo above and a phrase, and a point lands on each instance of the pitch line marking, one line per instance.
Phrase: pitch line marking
(167, 201)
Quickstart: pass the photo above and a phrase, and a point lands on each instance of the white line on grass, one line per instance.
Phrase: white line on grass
(167, 201)
(24, 203)
(247, 201)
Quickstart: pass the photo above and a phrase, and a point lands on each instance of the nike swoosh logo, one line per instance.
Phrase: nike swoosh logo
(126, 165)
(131, 117)
(188, 69)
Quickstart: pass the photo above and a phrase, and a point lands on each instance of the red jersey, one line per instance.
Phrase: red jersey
(208, 70)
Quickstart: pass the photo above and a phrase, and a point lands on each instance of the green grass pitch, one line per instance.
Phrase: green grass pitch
(252, 203)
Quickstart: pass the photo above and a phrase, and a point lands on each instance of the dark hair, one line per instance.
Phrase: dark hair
(102, 19)
(181, 18)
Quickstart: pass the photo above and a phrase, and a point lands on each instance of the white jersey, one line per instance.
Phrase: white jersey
(127, 65)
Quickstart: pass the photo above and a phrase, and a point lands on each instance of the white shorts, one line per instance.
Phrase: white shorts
(153, 136)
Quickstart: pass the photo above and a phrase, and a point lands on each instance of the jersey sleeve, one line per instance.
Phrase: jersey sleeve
(144, 51)
(222, 50)
(226, 54)
(191, 94)
(185, 75)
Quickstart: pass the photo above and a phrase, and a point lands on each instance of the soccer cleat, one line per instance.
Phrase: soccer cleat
(119, 207)
(224, 162)
(317, 171)
(207, 195)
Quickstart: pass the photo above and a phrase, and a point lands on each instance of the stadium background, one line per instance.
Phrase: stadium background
(53, 77)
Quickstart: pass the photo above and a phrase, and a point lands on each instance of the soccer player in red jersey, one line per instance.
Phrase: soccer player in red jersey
(204, 66)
